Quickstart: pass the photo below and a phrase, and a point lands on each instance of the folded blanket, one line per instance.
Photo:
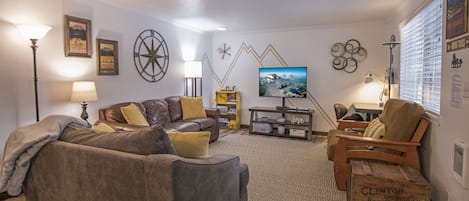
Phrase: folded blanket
(23, 144)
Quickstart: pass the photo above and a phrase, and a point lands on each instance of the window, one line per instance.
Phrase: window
(421, 43)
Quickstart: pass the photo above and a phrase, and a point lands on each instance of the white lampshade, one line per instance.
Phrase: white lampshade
(33, 31)
(84, 91)
(193, 69)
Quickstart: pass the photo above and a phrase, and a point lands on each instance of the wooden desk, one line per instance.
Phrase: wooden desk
(371, 110)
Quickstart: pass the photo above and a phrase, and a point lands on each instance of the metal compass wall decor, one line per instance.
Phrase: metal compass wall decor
(348, 55)
(151, 57)
(224, 51)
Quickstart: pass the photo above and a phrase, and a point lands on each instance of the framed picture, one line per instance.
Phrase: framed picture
(77, 36)
(108, 62)
(456, 18)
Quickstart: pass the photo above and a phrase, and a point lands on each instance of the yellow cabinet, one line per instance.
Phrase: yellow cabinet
(229, 104)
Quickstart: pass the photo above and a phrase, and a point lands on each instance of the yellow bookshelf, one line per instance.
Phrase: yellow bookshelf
(229, 104)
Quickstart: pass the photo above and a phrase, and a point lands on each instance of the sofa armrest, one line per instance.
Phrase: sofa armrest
(119, 126)
(213, 113)
(212, 179)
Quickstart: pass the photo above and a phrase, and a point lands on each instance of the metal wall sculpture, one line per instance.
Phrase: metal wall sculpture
(348, 55)
(151, 55)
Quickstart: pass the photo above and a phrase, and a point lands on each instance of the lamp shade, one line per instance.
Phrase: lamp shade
(84, 91)
(34, 31)
(193, 69)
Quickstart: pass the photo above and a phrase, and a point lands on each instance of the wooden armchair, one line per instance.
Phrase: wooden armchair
(389, 150)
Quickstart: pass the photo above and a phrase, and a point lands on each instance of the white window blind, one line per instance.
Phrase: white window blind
(420, 73)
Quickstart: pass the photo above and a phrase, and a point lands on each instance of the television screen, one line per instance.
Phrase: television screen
(283, 82)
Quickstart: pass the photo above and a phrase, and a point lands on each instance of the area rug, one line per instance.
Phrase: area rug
(283, 169)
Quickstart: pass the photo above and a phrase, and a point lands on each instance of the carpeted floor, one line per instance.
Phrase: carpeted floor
(283, 169)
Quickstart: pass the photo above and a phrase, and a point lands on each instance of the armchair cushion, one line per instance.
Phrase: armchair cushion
(133, 115)
(144, 141)
(401, 119)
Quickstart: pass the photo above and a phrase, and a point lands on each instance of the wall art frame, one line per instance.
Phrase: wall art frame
(107, 57)
(77, 37)
(456, 18)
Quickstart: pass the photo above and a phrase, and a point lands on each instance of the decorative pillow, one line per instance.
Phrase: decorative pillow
(375, 129)
(192, 108)
(144, 141)
(103, 128)
(133, 115)
(190, 144)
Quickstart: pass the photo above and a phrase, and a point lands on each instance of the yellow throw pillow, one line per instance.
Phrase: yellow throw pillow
(192, 108)
(190, 144)
(133, 115)
(103, 128)
(375, 129)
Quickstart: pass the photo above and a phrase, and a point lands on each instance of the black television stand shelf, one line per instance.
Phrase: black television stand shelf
(287, 125)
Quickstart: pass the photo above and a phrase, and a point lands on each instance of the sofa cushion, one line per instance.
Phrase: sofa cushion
(183, 126)
(174, 106)
(401, 118)
(192, 108)
(190, 144)
(204, 122)
(114, 114)
(144, 141)
(157, 112)
(133, 115)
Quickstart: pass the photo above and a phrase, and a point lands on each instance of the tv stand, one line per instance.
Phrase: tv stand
(286, 125)
(283, 107)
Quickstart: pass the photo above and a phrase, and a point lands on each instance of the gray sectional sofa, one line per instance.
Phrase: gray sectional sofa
(87, 165)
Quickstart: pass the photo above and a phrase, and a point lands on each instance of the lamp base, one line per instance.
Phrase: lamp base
(84, 114)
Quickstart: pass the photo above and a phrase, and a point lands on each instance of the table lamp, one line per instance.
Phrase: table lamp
(83, 91)
(34, 32)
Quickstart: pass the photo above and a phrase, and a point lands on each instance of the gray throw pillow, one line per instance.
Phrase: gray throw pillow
(144, 141)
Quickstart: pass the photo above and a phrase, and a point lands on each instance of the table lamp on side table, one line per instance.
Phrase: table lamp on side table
(83, 91)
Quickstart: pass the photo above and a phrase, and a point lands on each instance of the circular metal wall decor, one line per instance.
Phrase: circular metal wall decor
(151, 57)
(348, 55)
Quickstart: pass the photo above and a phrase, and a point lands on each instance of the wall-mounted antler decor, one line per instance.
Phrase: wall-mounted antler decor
(348, 55)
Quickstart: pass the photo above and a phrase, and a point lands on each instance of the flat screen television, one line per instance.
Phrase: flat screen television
(288, 82)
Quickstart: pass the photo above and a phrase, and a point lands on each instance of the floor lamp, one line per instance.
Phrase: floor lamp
(34, 32)
(391, 44)
(192, 74)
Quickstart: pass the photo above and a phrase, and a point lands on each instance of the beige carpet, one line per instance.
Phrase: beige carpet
(283, 169)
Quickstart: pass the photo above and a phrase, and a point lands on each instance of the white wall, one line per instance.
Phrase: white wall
(306, 47)
(453, 126)
(57, 72)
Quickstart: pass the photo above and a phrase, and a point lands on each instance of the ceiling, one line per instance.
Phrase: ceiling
(248, 15)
